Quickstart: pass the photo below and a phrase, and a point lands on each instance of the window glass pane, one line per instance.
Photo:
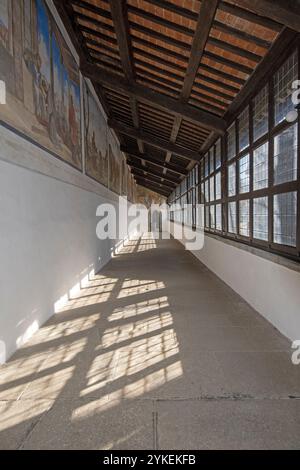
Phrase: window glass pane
(244, 170)
(212, 188)
(285, 218)
(283, 90)
(202, 169)
(261, 113)
(260, 218)
(218, 186)
(232, 217)
(212, 217)
(212, 161)
(200, 217)
(231, 142)
(218, 154)
(243, 122)
(285, 156)
(206, 191)
(219, 217)
(207, 216)
(244, 218)
(231, 180)
(206, 166)
(260, 167)
(202, 197)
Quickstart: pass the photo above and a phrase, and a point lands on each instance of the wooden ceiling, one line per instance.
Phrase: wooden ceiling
(170, 73)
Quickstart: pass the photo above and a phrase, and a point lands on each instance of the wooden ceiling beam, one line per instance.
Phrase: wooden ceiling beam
(239, 51)
(204, 23)
(247, 15)
(153, 187)
(119, 12)
(221, 74)
(178, 10)
(286, 12)
(138, 166)
(154, 141)
(239, 34)
(166, 103)
(229, 63)
(157, 19)
(159, 163)
(152, 33)
(153, 179)
(92, 8)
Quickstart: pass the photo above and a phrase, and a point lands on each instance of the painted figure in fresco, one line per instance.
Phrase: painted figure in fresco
(44, 102)
(73, 123)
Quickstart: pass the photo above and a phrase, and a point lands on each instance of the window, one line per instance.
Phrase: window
(244, 174)
(260, 167)
(251, 192)
(218, 154)
(183, 186)
(244, 227)
(206, 166)
(212, 217)
(196, 175)
(202, 195)
(212, 189)
(231, 142)
(285, 218)
(219, 217)
(232, 180)
(206, 192)
(260, 218)
(212, 161)
(218, 186)
(285, 155)
(202, 169)
(232, 217)
(207, 221)
(243, 122)
(283, 80)
(260, 113)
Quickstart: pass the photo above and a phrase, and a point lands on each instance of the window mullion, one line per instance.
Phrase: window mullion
(271, 160)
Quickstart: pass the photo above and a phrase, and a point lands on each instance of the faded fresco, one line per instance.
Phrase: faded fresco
(115, 161)
(42, 79)
(96, 154)
(147, 198)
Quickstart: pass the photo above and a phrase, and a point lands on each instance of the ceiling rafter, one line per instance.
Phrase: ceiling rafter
(286, 12)
(159, 163)
(150, 171)
(154, 141)
(168, 104)
(204, 22)
(153, 179)
(159, 188)
(120, 18)
(171, 77)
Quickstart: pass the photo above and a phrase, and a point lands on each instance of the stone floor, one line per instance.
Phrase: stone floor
(154, 353)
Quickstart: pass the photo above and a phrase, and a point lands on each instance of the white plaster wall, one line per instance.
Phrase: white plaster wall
(269, 287)
(48, 241)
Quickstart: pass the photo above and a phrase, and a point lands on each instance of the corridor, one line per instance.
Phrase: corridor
(154, 353)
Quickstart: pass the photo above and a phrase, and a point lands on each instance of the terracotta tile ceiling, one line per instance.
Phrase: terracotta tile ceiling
(198, 55)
